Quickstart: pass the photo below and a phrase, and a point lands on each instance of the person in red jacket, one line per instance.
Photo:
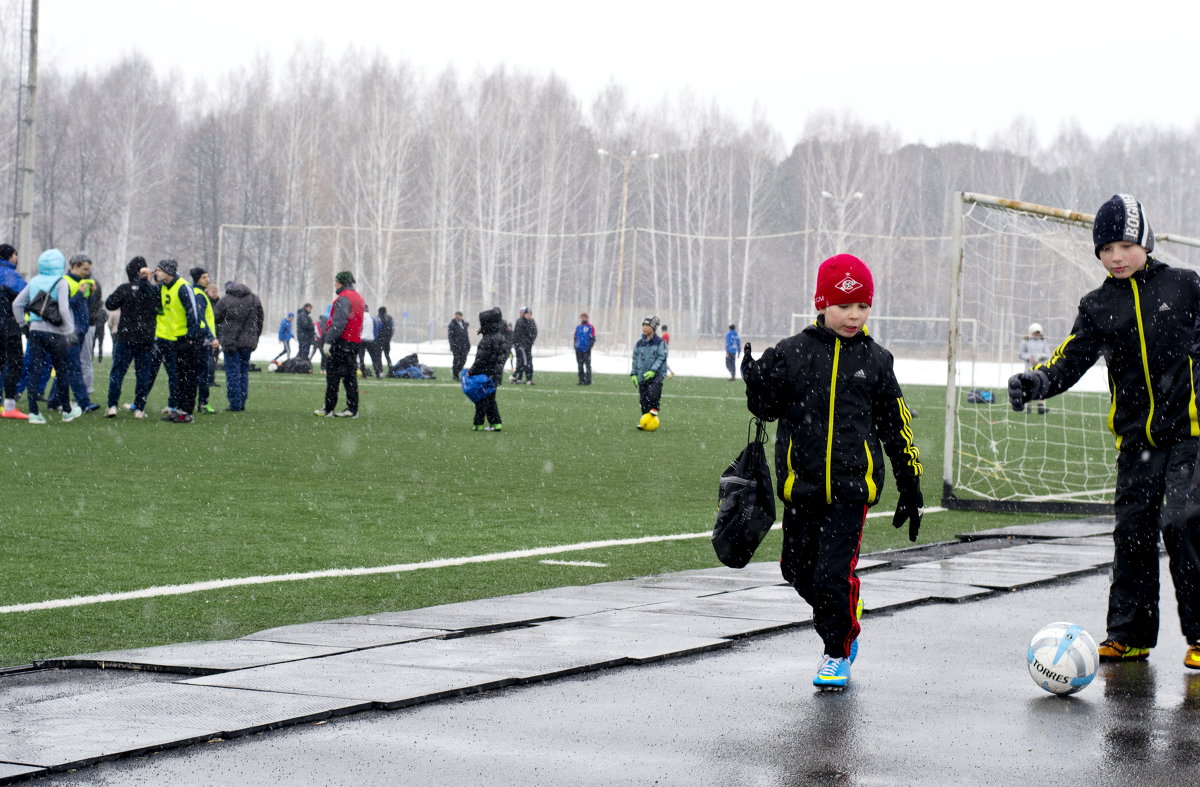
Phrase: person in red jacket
(343, 334)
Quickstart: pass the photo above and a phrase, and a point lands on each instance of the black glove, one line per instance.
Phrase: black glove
(909, 508)
(747, 360)
(1027, 386)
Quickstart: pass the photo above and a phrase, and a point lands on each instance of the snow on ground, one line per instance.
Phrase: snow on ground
(711, 363)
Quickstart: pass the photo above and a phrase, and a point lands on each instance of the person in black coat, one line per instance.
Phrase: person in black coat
(138, 302)
(490, 357)
(524, 335)
(240, 318)
(840, 411)
(305, 332)
(387, 331)
(460, 343)
(1142, 320)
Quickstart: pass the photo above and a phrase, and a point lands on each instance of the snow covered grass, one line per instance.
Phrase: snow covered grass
(108, 506)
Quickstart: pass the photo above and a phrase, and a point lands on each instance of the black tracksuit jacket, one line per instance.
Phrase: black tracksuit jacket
(837, 400)
(1145, 327)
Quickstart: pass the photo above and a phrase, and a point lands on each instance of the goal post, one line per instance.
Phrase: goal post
(1012, 264)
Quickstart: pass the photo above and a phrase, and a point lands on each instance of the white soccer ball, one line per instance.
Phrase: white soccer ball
(1063, 658)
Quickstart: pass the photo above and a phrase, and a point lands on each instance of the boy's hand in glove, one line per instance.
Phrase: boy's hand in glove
(633, 379)
(909, 508)
(1026, 387)
(648, 376)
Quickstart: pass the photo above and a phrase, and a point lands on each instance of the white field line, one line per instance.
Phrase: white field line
(218, 584)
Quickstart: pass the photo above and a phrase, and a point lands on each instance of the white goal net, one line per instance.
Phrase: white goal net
(1017, 264)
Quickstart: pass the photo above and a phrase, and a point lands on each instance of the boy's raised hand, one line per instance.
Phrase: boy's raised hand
(909, 509)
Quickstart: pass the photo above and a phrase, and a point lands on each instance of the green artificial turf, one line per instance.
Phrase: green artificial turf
(114, 505)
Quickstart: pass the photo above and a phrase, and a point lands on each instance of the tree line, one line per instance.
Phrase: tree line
(455, 193)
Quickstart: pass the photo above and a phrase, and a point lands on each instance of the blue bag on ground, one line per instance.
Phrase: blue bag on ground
(747, 503)
(478, 386)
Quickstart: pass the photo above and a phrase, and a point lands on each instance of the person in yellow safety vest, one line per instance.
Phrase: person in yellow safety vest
(79, 286)
(204, 310)
(180, 339)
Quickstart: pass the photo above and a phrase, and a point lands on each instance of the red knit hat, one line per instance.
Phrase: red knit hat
(843, 279)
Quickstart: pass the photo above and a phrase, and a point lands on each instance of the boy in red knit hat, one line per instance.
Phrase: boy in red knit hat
(840, 408)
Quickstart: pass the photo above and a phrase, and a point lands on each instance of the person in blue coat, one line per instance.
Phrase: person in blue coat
(11, 284)
(733, 346)
(585, 339)
(285, 337)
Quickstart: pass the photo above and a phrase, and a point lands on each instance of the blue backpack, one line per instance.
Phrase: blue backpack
(477, 387)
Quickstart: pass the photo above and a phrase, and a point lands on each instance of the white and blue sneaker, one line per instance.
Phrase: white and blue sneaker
(832, 674)
(853, 650)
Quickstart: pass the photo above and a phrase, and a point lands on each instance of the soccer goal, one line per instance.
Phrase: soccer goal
(1014, 264)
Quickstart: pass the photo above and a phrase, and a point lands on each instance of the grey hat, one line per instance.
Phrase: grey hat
(169, 267)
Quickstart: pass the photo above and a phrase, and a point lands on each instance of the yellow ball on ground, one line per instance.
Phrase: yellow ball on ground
(648, 422)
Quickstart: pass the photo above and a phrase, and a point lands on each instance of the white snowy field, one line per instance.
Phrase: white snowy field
(711, 363)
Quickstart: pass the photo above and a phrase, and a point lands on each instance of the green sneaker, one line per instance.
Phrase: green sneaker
(36, 418)
(494, 428)
(208, 408)
(477, 428)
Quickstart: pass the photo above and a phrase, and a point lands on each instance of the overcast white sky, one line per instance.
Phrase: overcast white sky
(935, 71)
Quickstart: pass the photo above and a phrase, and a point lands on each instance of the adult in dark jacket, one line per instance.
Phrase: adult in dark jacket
(240, 318)
(490, 357)
(11, 284)
(137, 302)
(1143, 320)
(386, 325)
(305, 332)
(524, 335)
(460, 343)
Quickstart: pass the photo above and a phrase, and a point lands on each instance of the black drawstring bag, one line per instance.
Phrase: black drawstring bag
(747, 503)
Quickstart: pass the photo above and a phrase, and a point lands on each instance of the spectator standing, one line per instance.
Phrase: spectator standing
(180, 341)
(240, 319)
(524, 335)
(285, 337)
(137, 303)
(367, 343)
(79, 364)
(305, 332)
(11, 285)
(460, 343)
(665, 333)
(1035, 349)
(46, 341)
(384, 334)
(733, 346)
(209, 343)
(343, 334)
(585, 339)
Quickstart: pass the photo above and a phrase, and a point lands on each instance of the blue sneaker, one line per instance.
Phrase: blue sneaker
(853, 650)
(832, 674)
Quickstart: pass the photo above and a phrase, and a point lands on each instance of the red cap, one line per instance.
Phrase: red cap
(843, 279)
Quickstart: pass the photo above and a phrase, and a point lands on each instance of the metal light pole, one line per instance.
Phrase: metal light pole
(25, 207)
(841, 202)
(626, 161)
